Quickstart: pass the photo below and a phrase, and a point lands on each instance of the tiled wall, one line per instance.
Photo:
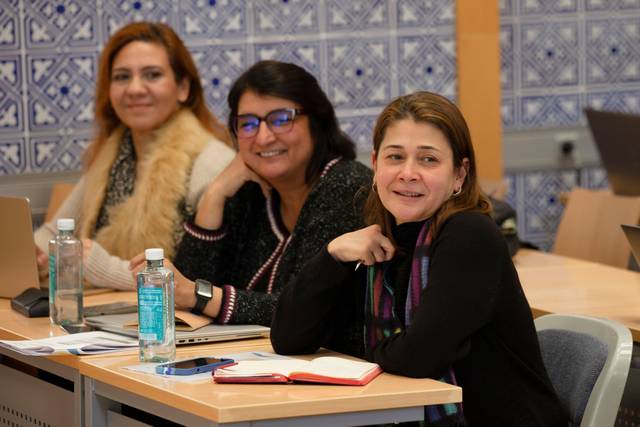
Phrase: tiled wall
(558, 56)
(364, 53)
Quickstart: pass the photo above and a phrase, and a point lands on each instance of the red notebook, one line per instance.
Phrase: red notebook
(327, 370)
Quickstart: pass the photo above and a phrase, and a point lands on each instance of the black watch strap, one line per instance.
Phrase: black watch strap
(202, 298)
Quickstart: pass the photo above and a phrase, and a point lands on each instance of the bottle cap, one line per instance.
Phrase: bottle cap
(154, 254)
(66, 224)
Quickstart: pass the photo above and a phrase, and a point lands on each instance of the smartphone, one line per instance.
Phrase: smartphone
(192, 366)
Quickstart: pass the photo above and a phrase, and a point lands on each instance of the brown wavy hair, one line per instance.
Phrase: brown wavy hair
(182, 65)
(438, 111)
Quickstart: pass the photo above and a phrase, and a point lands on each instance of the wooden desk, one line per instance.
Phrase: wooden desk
(557, 284)
(388, 398)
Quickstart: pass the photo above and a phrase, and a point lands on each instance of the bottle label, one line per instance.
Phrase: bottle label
(52, 275)
(150, 314)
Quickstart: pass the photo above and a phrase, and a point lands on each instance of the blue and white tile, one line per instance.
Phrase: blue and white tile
(219, 67)
(10, 25)
(507, 56)
(550, 111)
(417, 13)
(360, 129)
(625, 100)
(508, 112)
(611, 5)
(278, 17)
(11, 118)
(594, 177)
(117, 13)
(54, 153)
(613, 50)
(359, 72)
(548, 7)
(303, 53)
(60, 24)
(13, 156)
(357, 15)
(549, 54)
(427, 62)
(60, 90)
(506, 8)
(211, 19)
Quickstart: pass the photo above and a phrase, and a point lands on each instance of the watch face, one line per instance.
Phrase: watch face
(204, 288)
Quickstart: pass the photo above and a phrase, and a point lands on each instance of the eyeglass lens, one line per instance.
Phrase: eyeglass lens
(278, 121)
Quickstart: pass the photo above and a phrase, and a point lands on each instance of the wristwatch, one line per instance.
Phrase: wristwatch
(204, 294)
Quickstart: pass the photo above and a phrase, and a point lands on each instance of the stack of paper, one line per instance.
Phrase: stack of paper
(82, 343)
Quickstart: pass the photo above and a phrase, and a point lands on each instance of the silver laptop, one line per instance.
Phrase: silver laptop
(617, 137)
(210, 333)
(633, 236)
(18, 268)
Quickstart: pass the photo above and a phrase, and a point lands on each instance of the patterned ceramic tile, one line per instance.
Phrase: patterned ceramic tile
(611, 5)
(360, 129)
(116, 13)
(9, 25)
(507, 55)
(11, 118)
(508, 112)
(427, 62)
(60, 90)
(60, 24)
(359, 72)
(13, 157)
(613, 50)
(305, 54)
(549, 54)
(357, 15)
(277, 17)
(550, 111)
(547, 7)
(207, 19)
(58, 153)
(506, 8)
(415, 13)
(593, 177)
(627, 100)
(219, 66)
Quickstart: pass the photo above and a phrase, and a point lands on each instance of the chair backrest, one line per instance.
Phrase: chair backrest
(587, 359)
(590, 226)
(59, 193)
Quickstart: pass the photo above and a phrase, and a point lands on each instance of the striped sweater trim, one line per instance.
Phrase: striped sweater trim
(229, 297)
(204, 234)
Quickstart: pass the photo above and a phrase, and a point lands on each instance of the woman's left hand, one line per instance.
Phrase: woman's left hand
(184, 294)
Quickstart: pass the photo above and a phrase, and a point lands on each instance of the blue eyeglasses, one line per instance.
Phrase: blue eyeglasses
(278, 121)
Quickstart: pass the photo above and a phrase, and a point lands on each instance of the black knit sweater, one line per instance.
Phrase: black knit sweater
(473, 316)
(248, 238)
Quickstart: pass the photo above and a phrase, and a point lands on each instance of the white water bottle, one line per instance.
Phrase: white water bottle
(65, 275)
(156, 321)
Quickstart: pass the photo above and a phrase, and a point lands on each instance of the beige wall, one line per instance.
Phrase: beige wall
(477, 32)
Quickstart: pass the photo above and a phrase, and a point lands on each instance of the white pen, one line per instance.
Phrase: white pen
(358, 265)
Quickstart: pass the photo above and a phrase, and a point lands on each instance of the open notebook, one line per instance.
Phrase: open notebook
(124, 324)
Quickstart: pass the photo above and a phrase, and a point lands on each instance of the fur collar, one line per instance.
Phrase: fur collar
(151, 216)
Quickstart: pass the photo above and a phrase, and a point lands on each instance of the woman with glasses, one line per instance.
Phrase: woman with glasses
(293, 186)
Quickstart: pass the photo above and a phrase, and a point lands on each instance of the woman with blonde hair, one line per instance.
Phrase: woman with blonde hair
(157, 147)
(440, 297)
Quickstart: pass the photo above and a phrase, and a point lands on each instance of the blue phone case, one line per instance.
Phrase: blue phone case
(169, 369)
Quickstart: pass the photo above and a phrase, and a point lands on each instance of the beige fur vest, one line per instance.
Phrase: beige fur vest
(151, 215)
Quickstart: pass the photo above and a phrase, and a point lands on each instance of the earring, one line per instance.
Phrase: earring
(457, 192)
(373, 186)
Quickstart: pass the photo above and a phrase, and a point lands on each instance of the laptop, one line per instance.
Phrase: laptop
(633, 236)
(18, 268)
(617, 137)
(210, 333)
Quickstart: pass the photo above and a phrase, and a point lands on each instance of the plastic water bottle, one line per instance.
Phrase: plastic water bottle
(65, 275)
(156, 321)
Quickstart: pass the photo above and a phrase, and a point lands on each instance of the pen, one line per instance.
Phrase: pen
(358, 265)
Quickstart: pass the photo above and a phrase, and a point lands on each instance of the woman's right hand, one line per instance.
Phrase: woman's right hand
(42, 259)
(367, 246)
(224, 186)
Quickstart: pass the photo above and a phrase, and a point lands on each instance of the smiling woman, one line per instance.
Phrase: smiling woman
(441, 297)
(292, 187)
(156, 148)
